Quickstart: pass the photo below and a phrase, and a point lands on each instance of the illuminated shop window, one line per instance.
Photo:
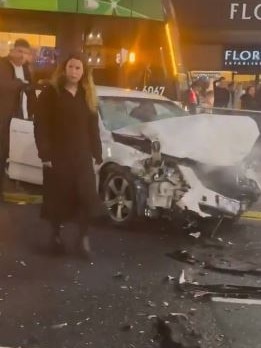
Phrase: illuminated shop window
(37, 41)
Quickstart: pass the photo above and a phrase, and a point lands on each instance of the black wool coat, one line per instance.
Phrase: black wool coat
(67, 135)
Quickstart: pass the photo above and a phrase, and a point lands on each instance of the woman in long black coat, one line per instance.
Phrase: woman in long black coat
(68, 139)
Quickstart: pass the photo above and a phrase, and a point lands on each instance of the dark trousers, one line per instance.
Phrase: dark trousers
(2, 175)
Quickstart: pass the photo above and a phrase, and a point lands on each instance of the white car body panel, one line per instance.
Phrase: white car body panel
(210, 139)
(24, 164)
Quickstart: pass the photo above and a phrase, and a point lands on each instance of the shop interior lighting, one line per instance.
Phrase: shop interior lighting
(132, 57)
(171, 49)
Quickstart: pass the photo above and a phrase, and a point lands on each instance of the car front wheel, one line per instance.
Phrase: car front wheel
(119, 196)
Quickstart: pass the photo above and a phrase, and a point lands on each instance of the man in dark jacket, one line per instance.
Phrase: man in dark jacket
(16, 98)
(221, 93)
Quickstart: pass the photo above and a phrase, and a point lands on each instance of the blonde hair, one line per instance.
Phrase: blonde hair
(59, 79)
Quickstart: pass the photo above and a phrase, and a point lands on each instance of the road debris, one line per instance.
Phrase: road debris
(195, 235)
(151, 304)
(126, 327)
(121, 276)
(153, 316)
(182, 277)
(118, 275)
(225, 267)
(168, 279)
(175, 315)
(201, 290)
(21, 262)
(165, 304)
(183, 256)
(59, 326)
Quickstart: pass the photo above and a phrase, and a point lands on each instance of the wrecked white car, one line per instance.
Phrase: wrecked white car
(158, 160)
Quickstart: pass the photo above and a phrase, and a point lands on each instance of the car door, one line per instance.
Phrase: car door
(24, 164)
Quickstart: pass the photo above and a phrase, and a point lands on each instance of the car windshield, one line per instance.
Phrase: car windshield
(120, 112)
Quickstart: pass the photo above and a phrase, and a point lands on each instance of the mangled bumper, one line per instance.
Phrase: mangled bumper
(205, 202)
(223, 206)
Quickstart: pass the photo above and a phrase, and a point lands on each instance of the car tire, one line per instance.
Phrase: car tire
(119, 196)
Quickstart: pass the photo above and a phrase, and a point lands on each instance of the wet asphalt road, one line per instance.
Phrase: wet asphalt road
(66, 302)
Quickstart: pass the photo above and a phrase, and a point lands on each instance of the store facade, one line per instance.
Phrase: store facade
(126, 41)
(221, 37)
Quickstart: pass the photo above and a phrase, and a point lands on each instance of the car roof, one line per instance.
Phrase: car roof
(104, 91)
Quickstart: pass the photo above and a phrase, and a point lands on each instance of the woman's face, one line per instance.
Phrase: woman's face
(74, 71)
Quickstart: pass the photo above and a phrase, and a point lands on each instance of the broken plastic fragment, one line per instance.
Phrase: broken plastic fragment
(195, 235)
(182, 277)
(151, 304)
(173, 315)
(59, 326)
(168, 279)
(198, 294)
(153, 316)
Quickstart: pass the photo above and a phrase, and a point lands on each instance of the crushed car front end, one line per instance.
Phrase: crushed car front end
(174, 187)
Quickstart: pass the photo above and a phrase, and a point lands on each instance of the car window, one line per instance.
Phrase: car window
(118, 112)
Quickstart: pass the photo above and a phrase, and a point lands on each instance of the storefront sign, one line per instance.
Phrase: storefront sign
(245, 11)
(121, 8)
(218, 14)
(242, 58)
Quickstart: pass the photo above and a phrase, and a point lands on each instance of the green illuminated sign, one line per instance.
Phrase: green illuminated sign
(122, 8)
(41, 5)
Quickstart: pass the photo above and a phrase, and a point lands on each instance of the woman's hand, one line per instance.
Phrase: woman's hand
(98, 161)
(47, 164)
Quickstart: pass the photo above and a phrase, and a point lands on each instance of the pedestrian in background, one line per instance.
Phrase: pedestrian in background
(258, 97)
(208, 101)
(67, 137)
(221, 93)
(248, 99)
(192, 98)
(231, 92)
(15, 77)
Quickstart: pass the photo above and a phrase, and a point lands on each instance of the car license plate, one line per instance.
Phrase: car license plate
(229, 205)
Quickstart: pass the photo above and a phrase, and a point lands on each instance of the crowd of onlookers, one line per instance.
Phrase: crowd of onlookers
(222, 94)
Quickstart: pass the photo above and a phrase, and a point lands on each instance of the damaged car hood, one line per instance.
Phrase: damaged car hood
(211, 139)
